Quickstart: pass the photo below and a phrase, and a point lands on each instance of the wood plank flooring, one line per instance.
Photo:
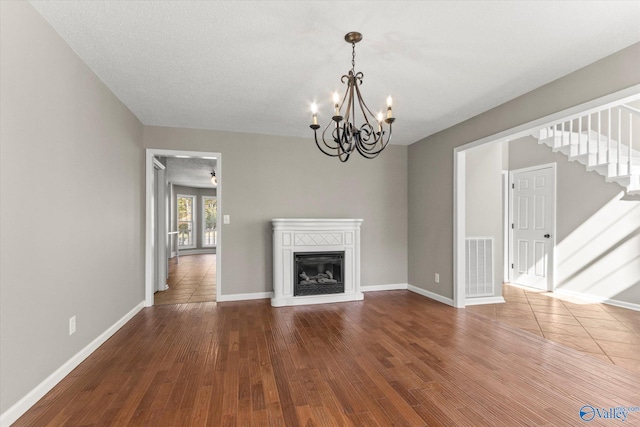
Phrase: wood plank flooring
(395, 358)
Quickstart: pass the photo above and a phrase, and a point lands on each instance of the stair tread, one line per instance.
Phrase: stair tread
(598, 153)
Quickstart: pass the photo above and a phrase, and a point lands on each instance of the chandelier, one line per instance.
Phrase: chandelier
(342, 136)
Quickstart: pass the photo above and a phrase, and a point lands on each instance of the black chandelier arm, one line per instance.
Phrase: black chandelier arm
(330, 154)
(341, 140)
(363, 106)
(350, 112)
(365, 133)
(369, 151)
(346, 140)
(326, 145)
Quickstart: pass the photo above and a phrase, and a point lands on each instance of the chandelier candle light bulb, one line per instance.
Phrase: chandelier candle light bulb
(342, 136)
(314, 111)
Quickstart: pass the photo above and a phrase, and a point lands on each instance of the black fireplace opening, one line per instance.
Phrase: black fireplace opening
(318, 273)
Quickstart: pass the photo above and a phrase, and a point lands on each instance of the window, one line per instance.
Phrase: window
(209, 221)
(186, 221)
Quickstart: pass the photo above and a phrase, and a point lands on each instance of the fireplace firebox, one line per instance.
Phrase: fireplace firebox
(318, 273)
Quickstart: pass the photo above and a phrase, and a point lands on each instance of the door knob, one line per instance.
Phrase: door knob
(546, 236)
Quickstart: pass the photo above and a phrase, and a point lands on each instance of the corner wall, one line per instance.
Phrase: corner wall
(71, 181)
(431, 159)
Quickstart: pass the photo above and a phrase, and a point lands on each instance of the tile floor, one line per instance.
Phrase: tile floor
(192, 279)
(603, 331)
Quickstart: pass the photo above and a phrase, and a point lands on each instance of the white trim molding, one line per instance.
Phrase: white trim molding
(244, 297)
(209, 250)
(24, 404)
(484, 300)
(389, 287)
(431, 295)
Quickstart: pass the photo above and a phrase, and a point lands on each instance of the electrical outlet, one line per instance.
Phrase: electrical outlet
(437, 278)
(72, 325)
(226, 219)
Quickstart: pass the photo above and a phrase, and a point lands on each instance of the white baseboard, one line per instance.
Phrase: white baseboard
(598, 299)
(245, 297)
(484, 300)
(431, 295)
(390, 287)
(197, 251)
(23, 405)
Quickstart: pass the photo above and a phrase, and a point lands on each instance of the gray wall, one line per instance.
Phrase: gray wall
(198, 192)
(484, 201)
(264, 177)
(431, 159)
(71, 171)
(597, 227)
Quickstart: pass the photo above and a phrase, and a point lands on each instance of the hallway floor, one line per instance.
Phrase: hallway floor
(192, 279)
(604, 331)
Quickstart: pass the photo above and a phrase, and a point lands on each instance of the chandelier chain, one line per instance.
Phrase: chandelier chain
(353, 57)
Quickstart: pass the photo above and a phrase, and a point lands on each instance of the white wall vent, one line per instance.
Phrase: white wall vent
(479, 271)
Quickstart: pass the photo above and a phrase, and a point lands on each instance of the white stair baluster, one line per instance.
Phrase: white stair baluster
(580, 144)
(589, 137)
(630, 141)
(570, 134)
(619, 144)
(609, 159)
(600, 160)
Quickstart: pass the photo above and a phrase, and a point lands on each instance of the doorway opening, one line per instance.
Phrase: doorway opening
(461, 154)
(183, 243)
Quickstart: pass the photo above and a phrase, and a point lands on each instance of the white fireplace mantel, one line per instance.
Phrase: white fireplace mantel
(296, 235)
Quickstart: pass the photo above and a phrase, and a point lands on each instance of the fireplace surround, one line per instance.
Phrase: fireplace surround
(315, 261)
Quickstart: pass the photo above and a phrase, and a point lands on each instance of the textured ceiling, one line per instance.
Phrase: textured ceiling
(256, 66)
(190, 172)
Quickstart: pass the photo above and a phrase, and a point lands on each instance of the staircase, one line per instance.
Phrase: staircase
(606, 140)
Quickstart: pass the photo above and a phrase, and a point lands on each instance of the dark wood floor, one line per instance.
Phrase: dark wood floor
(395, 358)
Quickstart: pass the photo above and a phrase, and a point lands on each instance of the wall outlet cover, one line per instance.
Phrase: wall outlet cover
(72, 325)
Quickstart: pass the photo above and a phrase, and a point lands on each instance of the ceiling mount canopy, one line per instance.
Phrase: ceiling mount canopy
(355, 128)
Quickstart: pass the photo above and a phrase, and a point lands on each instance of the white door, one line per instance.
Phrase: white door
(532, 219)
